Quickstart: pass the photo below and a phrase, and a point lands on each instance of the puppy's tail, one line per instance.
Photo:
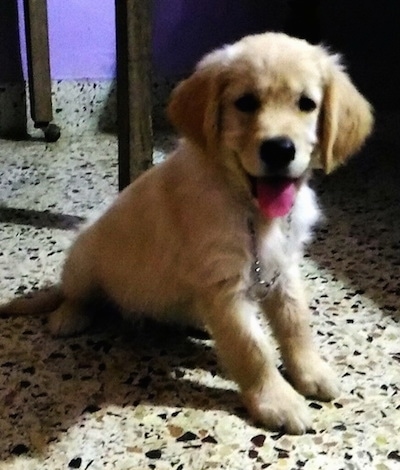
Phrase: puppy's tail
(44, 300)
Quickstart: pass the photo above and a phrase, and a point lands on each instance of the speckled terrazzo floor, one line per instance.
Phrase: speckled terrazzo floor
(121, 399)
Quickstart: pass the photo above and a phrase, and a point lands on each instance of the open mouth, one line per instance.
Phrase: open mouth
(274, 195)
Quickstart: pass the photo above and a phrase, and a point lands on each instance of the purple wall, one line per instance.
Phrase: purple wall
(82, 36)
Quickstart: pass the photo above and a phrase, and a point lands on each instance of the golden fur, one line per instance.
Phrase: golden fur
(176, 243)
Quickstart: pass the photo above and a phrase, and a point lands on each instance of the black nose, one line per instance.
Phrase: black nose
(277, 153)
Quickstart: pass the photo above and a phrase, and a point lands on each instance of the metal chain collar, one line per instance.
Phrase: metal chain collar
(260, 288)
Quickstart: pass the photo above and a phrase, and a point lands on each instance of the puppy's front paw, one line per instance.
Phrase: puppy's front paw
(277, 405)
(313, 377)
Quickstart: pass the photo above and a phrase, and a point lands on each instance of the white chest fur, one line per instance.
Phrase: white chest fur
(280, 248)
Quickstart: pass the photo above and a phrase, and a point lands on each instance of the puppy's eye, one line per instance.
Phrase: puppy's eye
(247, 103)
(306, 104)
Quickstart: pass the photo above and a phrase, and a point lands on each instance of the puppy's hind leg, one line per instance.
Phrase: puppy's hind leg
(73, 316)
(68, 319)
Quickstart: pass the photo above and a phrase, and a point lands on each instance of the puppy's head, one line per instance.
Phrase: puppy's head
(271, 106)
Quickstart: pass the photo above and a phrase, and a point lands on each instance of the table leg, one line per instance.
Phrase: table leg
(37, 42)
(135, 139)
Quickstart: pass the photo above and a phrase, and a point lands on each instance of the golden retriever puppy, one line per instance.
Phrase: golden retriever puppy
(216, 232)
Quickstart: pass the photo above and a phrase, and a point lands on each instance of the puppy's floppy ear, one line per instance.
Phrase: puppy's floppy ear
(346, 118)
(194, 107)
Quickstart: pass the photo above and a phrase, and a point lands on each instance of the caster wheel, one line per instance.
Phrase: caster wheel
(52, 133)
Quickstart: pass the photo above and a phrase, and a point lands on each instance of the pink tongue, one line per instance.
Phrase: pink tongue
(275, 198)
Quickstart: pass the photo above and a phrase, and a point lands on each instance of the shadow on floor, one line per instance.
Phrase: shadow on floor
(39, 219)
(359, 242)
(55, 382)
